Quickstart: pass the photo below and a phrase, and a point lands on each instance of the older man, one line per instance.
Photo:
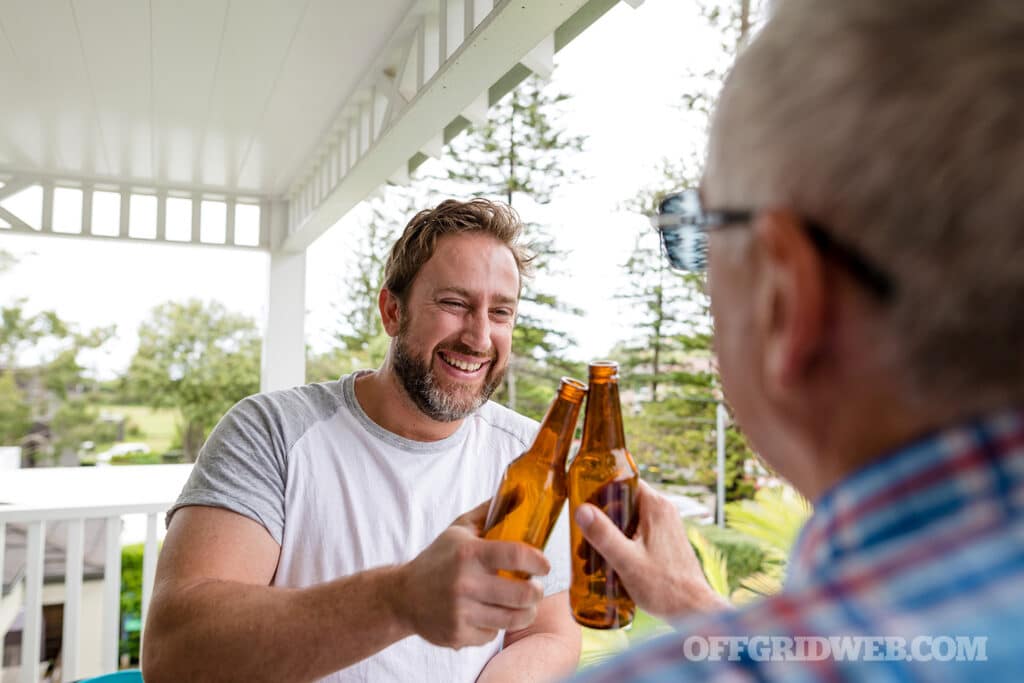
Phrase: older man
(315, 536)
(864, 212)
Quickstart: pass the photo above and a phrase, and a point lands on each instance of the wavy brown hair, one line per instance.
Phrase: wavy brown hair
(452, 217)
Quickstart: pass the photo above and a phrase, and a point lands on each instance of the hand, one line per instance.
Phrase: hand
(657, 565)
(450, 593)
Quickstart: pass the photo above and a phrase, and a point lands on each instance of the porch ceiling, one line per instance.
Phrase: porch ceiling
(202, 93)
(308, 104)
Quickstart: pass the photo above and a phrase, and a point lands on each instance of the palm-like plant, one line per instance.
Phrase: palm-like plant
(774, 519)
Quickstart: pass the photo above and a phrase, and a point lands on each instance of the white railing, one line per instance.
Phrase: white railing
(35, 520)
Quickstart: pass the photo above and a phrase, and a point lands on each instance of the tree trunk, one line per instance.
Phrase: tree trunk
(510, 383)
(741, 40)
(510, 374)
(659, 319)
(192, 440)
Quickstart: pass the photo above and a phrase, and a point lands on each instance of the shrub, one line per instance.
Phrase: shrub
(136, 459)
(743, 555)
(131, 599)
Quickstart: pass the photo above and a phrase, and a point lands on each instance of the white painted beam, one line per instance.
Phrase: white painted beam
(33, 623)
(111, 594)
(541, 59)
(476, 112)
(149, 557)
(499, 41)
(122, 215)
(434, 146)
(283, 363)
(70, 649)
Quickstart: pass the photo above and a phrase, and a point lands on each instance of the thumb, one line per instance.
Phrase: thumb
(475, 518)
(602, 533)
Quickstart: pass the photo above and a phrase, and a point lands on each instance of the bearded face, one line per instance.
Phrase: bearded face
(438, 395)
(452, 330)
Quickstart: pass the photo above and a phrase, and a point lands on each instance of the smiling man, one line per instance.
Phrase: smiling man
(315, 538)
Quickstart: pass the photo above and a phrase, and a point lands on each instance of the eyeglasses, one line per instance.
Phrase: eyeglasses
(684, 226)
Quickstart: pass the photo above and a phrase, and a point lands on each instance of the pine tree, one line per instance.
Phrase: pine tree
(357, 333)
(357, 318)
(521, 155)
(670, 355)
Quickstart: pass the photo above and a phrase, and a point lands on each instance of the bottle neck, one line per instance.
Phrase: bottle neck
(602, 425)
(556, 431)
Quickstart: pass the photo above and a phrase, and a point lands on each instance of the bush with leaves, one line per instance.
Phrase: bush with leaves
(772, 521)
(15, 413)
(196, 357)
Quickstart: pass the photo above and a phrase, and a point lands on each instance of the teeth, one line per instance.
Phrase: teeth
(468, 367)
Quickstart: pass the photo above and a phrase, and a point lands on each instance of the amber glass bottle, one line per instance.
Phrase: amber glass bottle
(603, 474)
(532, 491)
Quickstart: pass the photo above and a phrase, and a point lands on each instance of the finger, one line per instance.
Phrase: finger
(475, 518)
(508, 593)
(513, 556)
(602, 533)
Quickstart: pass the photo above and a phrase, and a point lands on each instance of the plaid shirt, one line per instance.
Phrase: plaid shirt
(928, 541)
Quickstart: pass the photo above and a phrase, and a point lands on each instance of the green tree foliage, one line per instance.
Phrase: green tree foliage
(40, 371)
(747, 559)
(196, 357)
(671, 320)
(131, 599)
(76, 421)
(772, 519)
(14, 411)
(521, 149)
(521, 154)
(358, 319)
(669, 359)
(7, 261)
(22, 332)
(357, 335)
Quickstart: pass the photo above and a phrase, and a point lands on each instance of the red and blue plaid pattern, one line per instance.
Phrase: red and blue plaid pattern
(925, 542)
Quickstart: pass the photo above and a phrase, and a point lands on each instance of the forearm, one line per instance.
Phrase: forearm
(535, 658)
(546, 650)
(219, 630)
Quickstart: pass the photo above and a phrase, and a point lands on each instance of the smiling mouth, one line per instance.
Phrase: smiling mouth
(461, 365)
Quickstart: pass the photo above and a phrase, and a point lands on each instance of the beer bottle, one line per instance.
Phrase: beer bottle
(532, 491)
(603, 474)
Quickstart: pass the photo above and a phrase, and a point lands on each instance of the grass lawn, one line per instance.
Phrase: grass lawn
(157, 425)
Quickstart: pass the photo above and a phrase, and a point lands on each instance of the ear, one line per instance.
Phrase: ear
(390, 311)
(791, 299)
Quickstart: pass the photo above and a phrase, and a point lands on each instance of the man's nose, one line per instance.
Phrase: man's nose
(476, 331)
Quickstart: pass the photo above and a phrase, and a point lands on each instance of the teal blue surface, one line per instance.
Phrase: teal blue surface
(126, 676)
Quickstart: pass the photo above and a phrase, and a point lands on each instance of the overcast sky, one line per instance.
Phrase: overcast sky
(625, 73)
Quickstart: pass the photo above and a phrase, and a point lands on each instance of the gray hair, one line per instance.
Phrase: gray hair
(899, 124)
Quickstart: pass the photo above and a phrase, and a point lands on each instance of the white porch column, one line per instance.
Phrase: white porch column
(284, 342)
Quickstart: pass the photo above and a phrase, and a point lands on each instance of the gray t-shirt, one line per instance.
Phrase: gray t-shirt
(340, 494)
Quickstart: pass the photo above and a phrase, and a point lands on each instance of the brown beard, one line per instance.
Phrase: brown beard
(422, 386)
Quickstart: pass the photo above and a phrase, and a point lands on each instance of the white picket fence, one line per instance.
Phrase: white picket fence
(72, 497)
(35, 520)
